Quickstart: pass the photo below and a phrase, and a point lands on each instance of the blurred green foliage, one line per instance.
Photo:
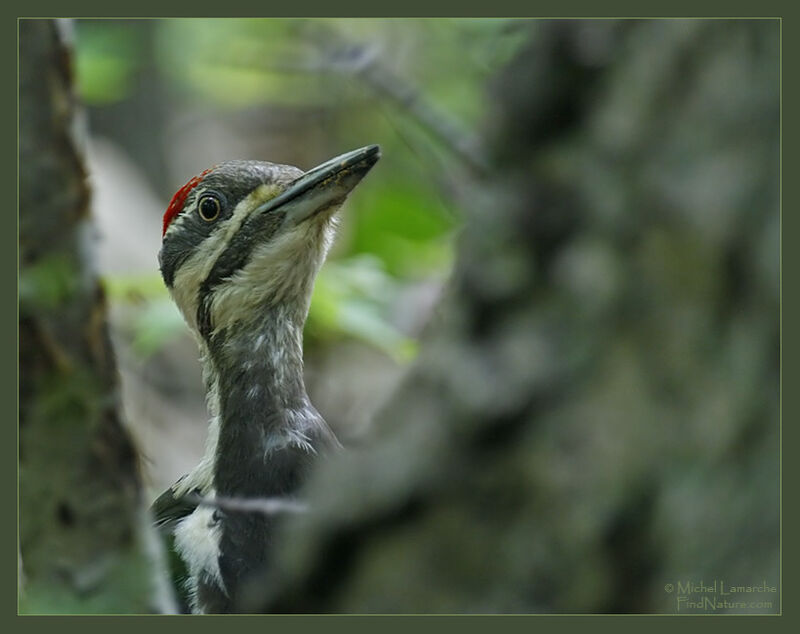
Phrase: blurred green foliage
(107, 57)
(158, 318)
(352, 297)
(49, 283)
(400, 227)
(227, 62)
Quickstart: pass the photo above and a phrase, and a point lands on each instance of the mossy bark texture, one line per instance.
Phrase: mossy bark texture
(80, 510)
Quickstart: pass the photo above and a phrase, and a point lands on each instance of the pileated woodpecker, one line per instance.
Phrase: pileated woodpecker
(242, 244)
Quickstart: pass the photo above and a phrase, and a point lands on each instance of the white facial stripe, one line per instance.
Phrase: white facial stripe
(196, 268)
(177, 221)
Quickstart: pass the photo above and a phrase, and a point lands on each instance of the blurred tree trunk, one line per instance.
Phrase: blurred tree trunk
(594, 415)
(80, 508)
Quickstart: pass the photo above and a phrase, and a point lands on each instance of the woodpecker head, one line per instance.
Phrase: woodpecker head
(245, 236)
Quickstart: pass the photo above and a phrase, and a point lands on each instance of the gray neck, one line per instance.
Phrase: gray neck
(262, 403)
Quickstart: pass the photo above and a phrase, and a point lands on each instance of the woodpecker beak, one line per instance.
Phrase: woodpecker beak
(324, 187)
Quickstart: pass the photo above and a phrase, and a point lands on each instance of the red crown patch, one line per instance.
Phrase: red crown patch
(179, 199)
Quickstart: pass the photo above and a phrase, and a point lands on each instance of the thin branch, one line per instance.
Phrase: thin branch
(462, 143)
(265, 506)
(364, 63)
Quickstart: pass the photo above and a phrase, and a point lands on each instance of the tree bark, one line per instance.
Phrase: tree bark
(81, 520)
(594, 415)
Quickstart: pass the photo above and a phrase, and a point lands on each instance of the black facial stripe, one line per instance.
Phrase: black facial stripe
(180, 244)
(254, 231)
(170, 265)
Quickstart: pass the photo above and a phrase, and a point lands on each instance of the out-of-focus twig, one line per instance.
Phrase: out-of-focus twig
(264, 506)
(364, 63)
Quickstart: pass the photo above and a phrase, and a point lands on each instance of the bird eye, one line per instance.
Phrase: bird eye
(208, 208)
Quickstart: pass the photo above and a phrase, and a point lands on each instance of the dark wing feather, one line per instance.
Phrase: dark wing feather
(169, 508)
(166, 511)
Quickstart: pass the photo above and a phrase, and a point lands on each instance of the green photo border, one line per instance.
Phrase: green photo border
(789, 308)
